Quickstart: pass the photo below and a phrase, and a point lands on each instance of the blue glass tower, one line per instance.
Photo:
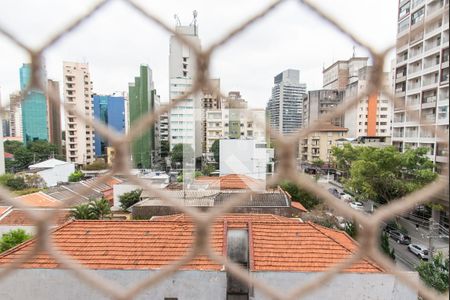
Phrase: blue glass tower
(34, 110)
(111, 111)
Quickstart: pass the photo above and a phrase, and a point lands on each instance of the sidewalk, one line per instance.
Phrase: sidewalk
(420, 236)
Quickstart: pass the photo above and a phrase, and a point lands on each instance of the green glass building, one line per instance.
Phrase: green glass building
(34, 110)
(143, 100)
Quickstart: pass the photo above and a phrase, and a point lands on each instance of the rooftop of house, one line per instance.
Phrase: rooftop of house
(275, 243)
(38, 199)
(49, 163)
(231, 182)
(21, 217)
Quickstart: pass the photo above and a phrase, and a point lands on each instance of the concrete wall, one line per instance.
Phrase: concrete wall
(348, 286)
(39, 284)
(57, 174)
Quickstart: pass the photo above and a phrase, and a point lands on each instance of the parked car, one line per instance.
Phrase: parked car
(345, 196)
(400, 237)
(334, 192)
(419, 250)
(357, 205)
(388, 228)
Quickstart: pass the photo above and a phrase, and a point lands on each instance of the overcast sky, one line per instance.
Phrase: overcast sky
(117, 40)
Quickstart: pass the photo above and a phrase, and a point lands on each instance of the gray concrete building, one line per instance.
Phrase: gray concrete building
(320, 102)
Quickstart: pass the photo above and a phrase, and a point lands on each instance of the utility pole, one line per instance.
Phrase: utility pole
(434, 233)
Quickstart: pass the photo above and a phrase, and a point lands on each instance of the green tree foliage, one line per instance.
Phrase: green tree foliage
(34, 152)
(318, 163)
(299, 195)
(16, 183)
(76, 176)
(208, 169)
(165, 148)
(98, 164)
(383, 174)
(179, 151)
(12, 238)
(215, 149)
(351, 228)
(435, 272)
(130, 198)
(384, 245)
(5, 177)
(94, 210)
(12, 146)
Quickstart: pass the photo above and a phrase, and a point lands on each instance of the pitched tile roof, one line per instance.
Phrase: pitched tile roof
(20, 217)
(298, 206)
(276, 243)
(38, 199)
(274, 199)
(232, 182)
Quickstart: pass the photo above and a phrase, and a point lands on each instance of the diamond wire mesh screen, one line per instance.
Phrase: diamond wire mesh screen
(284, 145)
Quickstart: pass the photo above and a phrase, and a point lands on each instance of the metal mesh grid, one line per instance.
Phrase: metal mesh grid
(285, 145)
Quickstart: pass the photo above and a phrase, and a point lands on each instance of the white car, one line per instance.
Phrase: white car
(357, 205)
(419, 250)
(346, 197)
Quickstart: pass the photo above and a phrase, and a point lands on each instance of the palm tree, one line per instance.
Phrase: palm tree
(82, 212)
(100, 209)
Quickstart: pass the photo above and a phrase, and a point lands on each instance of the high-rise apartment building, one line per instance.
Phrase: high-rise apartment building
(285, 107)
(210, 101)
(421, 77)
(142, 100)
(15, 114)
(77, 89)
(186, 118)
(54, 115)
(372, 115)
(320, 102)
(111, 111)
(164, 127)
(342, 72)
(34, 109)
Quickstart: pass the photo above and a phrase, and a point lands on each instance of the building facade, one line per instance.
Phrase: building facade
(342, 72)
(54, 115)
(186, 118)
(421, 77)
(372, 115)
(320, 102)
(143, 100)
(318, 145)
(34, 109)
(285, 107)
(111, 111)
(15, 115)
(77, 92)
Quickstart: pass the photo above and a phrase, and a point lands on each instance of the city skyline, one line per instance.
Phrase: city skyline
(284, 45)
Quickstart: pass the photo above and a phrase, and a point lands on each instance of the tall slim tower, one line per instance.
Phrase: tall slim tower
(15, 114)
(185, 120)
(285, 107)
(78, 93)
(34, 109)
(422, 77)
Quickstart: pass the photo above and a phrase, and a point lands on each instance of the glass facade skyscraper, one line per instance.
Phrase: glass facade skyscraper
(34, 110)
(111, 111)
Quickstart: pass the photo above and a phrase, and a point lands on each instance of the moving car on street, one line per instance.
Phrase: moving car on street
(357, 205)
(400, 237)
(419, 250)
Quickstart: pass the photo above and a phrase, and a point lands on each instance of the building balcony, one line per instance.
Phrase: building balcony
(430, 118)
(434, 13)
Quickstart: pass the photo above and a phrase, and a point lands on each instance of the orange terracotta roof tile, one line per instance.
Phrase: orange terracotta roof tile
(277, 244)
(231, 182)
(38, 199)
(3, 209)
(298, 206)
(20, 217)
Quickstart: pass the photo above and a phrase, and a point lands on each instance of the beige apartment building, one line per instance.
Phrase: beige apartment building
(78, 93)
(318, 145)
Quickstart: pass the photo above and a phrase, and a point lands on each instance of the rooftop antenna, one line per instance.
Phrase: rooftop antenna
(354, 51)
(194, 21)
(177, 20)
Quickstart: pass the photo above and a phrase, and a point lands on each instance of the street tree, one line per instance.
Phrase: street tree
(383, 174)
(76, 176)
(385, 247)
(435, 272)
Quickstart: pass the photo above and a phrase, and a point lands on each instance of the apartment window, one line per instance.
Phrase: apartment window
(417, 16)
(442, 112)
(403, 11)
(403, 25)
(383, 116)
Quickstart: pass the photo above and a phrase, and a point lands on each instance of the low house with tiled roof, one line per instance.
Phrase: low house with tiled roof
(282, 252)
(275, 201)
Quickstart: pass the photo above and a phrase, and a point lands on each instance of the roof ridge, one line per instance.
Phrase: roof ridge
(315, 226)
